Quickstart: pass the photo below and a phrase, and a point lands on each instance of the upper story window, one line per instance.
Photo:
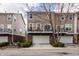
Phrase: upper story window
(14, 17)
(30, 15)
(71, 17)
(20, 30)
(68, 27)
(47, 27)
(9, 17)
(38, 26)
(30, 26)
(62, 17)
(1, 27)
(9, 26)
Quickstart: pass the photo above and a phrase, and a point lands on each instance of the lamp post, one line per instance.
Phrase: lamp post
(75, 28)
(12, 28)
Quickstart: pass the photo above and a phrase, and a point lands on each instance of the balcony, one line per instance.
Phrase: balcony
(5, 31)
(39, 31)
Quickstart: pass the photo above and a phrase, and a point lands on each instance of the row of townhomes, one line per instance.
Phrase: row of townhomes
(40, 29)
(12, 27)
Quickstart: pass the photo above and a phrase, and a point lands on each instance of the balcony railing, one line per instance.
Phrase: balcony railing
(5, 31)
(39, 31)
(47, 31)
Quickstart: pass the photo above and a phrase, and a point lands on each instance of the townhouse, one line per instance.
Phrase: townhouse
(12, 27)
(40, 27)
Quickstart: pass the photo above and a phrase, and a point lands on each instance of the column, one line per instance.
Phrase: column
(75, 28)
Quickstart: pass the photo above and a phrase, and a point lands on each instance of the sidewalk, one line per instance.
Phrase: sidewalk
(51, 47)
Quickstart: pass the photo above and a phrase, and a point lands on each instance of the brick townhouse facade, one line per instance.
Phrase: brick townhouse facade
(40, 30)
(12, 25)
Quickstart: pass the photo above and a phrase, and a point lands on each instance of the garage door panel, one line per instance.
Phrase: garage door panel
(3, 39)
(41, 39)
(66, 39)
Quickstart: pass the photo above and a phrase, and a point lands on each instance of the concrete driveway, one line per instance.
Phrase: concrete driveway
(40, 51)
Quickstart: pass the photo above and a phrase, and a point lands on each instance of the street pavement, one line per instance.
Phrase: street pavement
(41, 50)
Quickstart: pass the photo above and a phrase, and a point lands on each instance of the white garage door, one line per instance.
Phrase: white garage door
(40, 39)
(66, 39)
(3, 39)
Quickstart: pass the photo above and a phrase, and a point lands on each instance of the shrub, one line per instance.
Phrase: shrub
(4, 44)
(58, 44)
(25, 44)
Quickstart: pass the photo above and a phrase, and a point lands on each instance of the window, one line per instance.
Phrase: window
(68, 27)
(9, 26)
(30, 15)
(9, 17)
(47, 27)
(20, 30)
(71, 17)
(30, 26)
(14, 18)
(2, 27)
(38, 27)
(9, 30)
(62, 17)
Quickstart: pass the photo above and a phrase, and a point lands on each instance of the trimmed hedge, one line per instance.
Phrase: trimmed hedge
(57, 44)
(4, 44)
(25, 44)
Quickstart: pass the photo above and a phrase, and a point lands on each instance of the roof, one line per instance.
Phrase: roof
(11, 13)
(51, 12)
